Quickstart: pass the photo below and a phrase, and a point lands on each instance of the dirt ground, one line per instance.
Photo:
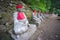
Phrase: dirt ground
(48, 30)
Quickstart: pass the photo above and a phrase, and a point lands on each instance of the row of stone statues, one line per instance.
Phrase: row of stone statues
(37, 16)
(22, 29)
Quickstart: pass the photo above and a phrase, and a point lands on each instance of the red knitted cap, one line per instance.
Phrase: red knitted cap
(19, 6)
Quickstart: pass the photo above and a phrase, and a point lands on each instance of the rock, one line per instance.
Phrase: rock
(39, 38)
(25, 36)
(56, 36)
(1, 0)
(2, 27)
(10, 4)
(7, 24)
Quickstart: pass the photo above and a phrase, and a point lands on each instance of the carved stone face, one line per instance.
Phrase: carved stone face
(19, 9)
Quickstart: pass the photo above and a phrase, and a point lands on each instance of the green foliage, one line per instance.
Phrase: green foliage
(55, 4)
(57, 11)
(43, 5)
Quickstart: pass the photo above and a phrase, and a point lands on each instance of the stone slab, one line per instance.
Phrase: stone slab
(26, 35)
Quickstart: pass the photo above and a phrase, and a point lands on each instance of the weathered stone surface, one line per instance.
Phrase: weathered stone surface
(6, 12)
(2, 27)
(26, 35)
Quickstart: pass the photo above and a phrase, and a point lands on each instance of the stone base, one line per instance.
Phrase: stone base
(27, 34)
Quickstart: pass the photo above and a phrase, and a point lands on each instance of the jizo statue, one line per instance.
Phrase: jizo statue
(20, 20)
(34, 15)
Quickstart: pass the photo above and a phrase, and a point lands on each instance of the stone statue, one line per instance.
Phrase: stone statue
(34, 16)
(40, 15)
(22, 29)
(20, 20)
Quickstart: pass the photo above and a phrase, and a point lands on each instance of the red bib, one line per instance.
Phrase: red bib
(34, 13)
(20, 16)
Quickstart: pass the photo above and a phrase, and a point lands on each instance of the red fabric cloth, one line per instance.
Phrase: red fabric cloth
(20, 16)
(19, 6)
(34, 11)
